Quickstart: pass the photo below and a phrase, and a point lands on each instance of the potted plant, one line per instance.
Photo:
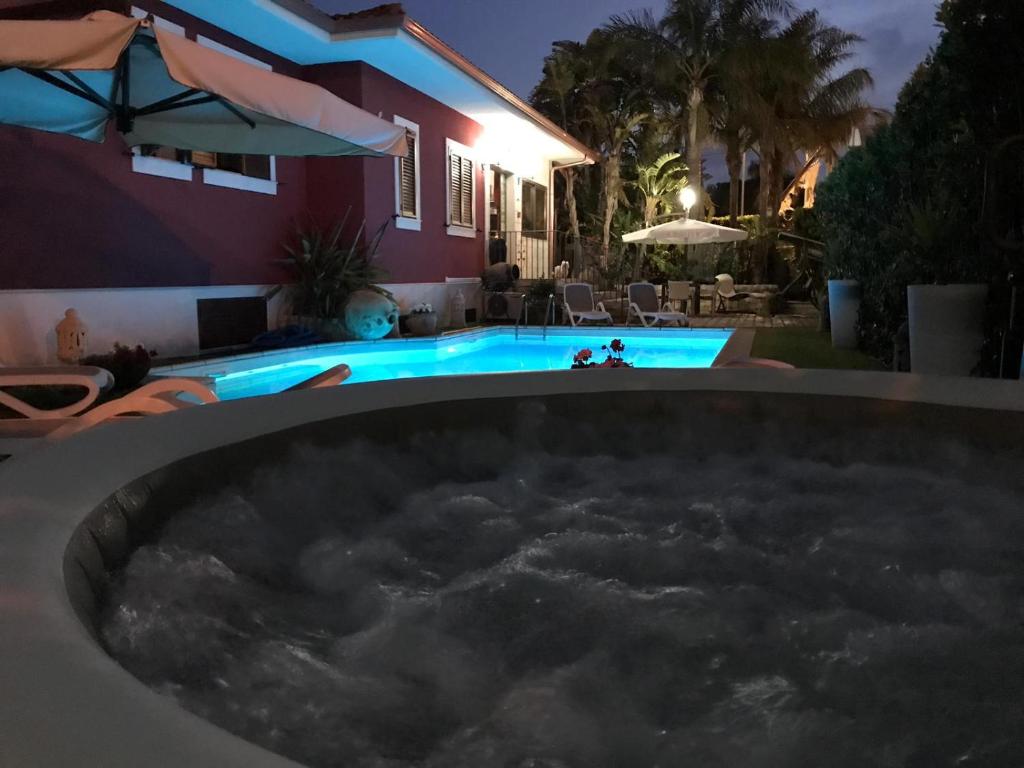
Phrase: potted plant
(335, 291)
(946, 318)
(583, 359)
(422, 320)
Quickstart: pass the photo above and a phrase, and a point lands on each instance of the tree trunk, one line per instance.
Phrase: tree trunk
(570, 201)
(612, 180)
(693, 153)
(734, 162)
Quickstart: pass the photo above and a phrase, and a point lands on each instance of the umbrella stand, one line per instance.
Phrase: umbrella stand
(124, 115)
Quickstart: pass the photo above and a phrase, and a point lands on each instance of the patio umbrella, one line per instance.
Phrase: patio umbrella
(73, 77)
(685, 232)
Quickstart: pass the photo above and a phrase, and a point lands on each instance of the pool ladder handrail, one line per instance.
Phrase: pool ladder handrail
(549, 314)
(522, 315)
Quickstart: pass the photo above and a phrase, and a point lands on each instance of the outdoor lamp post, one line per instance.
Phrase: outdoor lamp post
(688, 197)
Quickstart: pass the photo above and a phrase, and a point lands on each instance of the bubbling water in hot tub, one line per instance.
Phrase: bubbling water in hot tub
(658, 591)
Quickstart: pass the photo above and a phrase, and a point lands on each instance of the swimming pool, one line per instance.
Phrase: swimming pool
(490, 350)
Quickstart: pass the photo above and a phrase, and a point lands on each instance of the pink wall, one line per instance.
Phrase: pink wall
(74, 215)
(368, 184)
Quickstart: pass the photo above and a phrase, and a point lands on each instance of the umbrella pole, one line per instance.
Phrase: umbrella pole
(124, 117)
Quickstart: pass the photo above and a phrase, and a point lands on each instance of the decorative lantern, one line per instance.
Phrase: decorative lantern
(72, 336)
(458, 310)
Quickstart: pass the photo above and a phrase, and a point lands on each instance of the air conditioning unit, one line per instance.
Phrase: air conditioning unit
(503, 305)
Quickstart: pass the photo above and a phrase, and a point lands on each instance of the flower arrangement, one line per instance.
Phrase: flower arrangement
(421, 309)
(614, 350)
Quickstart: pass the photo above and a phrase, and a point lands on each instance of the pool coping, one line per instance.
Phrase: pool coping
(67, 703)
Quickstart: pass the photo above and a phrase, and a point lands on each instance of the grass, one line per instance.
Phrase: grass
(809, 348)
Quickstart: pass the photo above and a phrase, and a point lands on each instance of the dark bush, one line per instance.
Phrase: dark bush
(128, 366)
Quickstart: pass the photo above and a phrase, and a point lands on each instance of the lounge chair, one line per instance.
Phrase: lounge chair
(93, 380)
(725, 291)
(579, 305)
(163, 395)
(643, 302)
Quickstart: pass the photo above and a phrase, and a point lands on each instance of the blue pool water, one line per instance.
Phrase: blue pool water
(493, 350)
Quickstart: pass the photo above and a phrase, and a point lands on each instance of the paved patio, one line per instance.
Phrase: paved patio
(798, 315)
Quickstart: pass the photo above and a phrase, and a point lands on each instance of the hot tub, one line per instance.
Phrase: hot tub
(73, 514)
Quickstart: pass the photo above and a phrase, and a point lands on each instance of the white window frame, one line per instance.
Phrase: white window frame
(454, 147)
(413, 223)
(160, 166)
(217, 177)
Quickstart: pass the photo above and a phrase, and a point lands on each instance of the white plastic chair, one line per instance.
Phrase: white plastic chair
(579, 305)
(643, 302)
(679, 291)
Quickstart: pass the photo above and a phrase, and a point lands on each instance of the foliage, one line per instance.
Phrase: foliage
(328, 268)
(908, 207)
(658, 185)
(128, 365)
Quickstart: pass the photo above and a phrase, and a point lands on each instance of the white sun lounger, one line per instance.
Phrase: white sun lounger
(93, 380)
(159, 396)
(643, 303)
(579, 305)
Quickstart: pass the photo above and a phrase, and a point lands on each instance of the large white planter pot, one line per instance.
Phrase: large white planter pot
(946, 328)
(843, 312)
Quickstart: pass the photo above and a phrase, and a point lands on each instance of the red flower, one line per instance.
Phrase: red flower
(582, 356)
(617, 345)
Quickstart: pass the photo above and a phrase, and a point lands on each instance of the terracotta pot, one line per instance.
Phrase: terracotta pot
(422, 323)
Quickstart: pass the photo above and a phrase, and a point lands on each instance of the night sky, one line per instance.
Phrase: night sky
(509, 38)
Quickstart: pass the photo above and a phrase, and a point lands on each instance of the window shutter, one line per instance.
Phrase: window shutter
(467, 192)
(408, 178)
(455, 186)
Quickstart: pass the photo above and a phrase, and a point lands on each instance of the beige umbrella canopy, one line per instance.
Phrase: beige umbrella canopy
(73, 77)
(685, 232)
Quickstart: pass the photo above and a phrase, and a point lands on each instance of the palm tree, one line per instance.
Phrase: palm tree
(657, 186)
(558, 95)
(686, 49)
(603, 103)
(792, 101)
(614, 108)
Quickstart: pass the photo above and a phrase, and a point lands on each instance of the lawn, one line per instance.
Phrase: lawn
(809, 348)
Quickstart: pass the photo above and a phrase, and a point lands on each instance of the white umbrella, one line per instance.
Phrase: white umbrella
(73, 77)
(685, 232)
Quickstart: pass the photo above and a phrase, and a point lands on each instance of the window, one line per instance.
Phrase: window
(166, 162)
(461, 191)
(254, 166)
(255, 173)
(407, 179)
(535, 210)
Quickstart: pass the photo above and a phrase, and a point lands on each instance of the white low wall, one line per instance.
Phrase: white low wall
(438, 295)
(161, 319)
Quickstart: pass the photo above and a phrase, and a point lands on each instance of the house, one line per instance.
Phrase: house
(181, 251)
